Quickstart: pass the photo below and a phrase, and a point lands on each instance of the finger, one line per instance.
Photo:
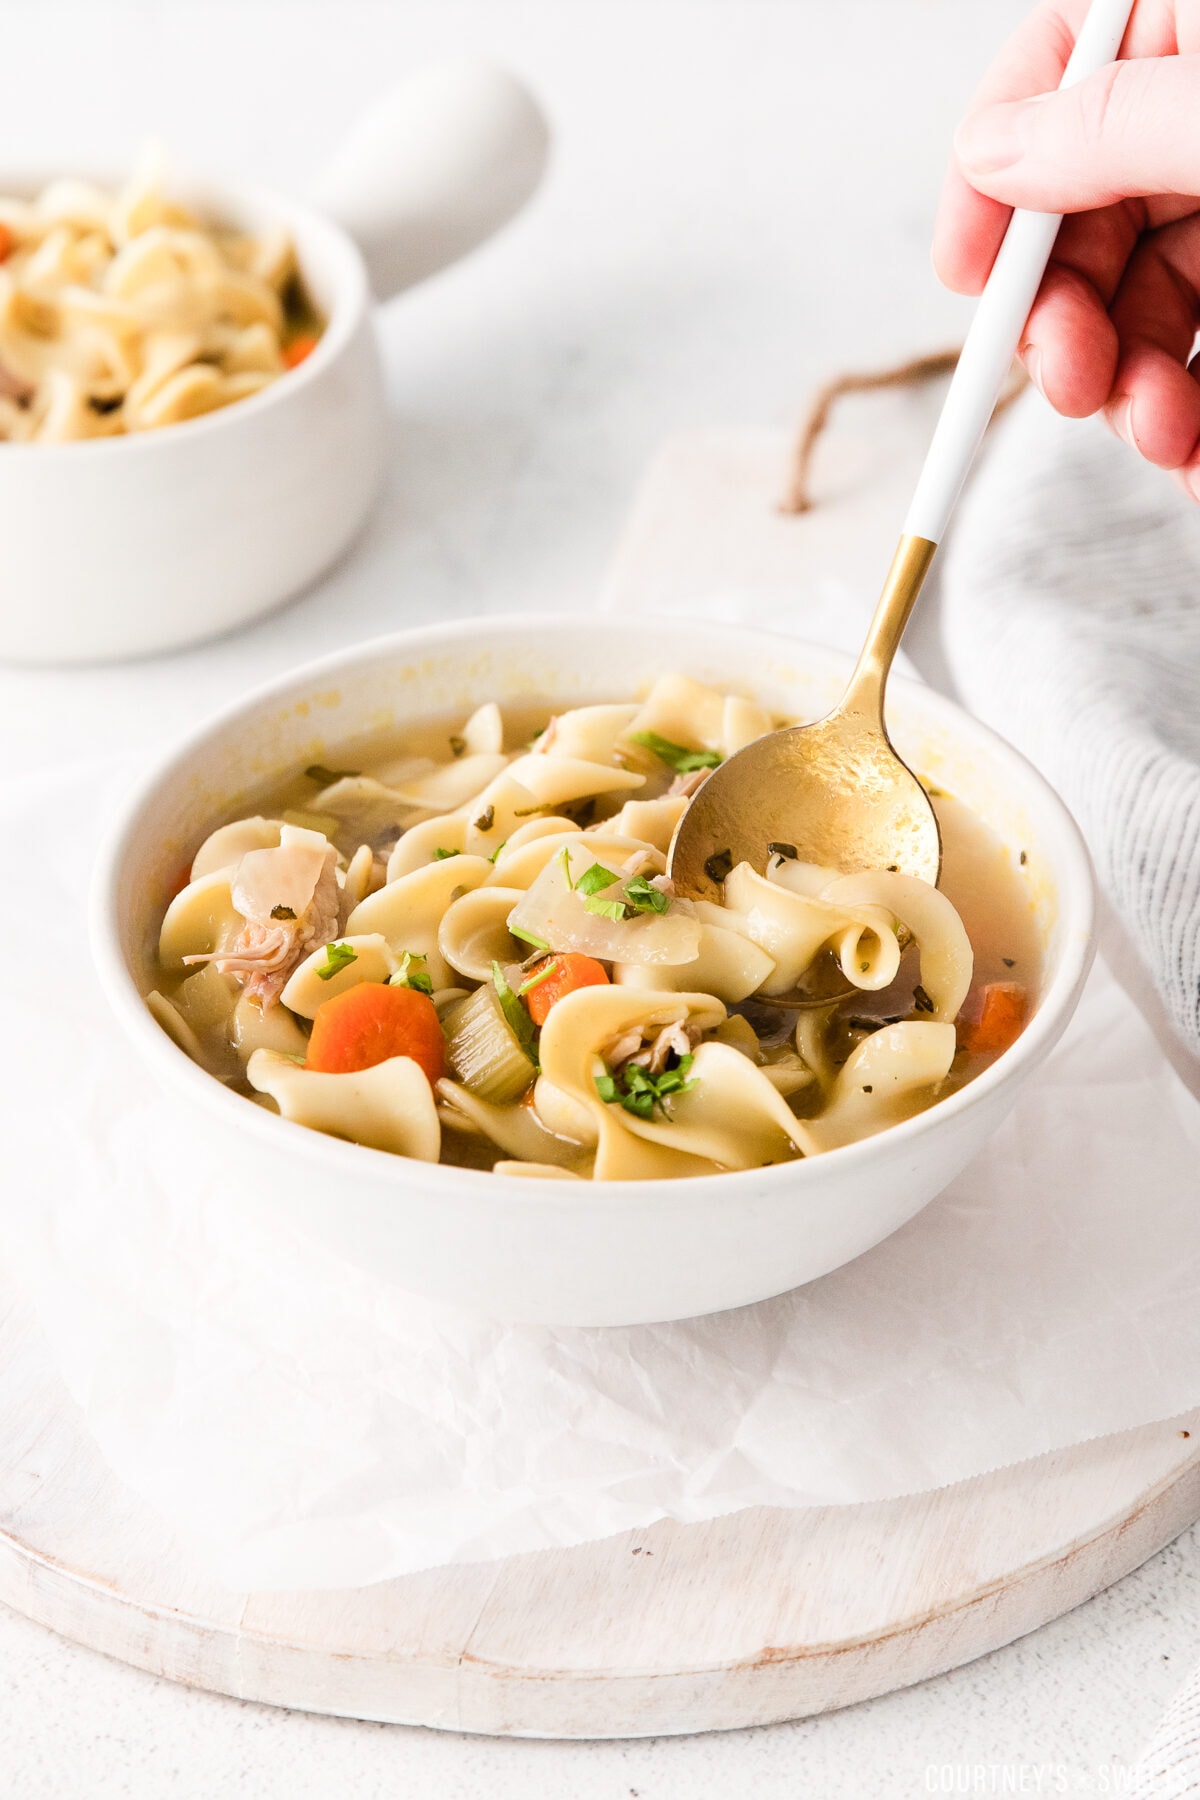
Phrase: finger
(1187, 476)
(966, 234)
(1070, 344)
(1133, 128)
(1098, 245)
(1156, 408)
(1033, 59)
(969, 225)
(1155, 404)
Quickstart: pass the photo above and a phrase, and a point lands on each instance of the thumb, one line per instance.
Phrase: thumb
(1132, 128)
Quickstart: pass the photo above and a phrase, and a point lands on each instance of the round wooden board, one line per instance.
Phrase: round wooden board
(760, 1616)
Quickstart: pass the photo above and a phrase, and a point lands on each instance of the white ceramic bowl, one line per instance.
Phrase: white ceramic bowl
(600, 1254)
(122, 546)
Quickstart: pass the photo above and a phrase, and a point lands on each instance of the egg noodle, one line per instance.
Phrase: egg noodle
(478, 957)
(122, 311)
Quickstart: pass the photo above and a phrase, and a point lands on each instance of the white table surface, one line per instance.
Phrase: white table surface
(740, 202)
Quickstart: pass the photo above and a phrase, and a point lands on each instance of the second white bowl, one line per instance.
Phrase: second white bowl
(122, 546)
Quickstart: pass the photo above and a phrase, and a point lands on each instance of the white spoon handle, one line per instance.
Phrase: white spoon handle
(1000, 317)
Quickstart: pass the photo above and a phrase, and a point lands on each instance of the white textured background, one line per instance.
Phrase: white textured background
(740, 202)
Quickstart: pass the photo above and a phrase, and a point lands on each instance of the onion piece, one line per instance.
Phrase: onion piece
(483, 733)
(557, 915)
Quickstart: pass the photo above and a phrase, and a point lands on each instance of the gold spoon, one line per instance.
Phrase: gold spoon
(835, 792)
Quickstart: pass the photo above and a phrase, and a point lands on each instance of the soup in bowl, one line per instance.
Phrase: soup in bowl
(398, 934)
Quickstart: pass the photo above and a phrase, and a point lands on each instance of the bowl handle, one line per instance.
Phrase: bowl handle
(434, 168)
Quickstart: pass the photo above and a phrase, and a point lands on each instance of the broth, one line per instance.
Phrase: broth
(982, 879)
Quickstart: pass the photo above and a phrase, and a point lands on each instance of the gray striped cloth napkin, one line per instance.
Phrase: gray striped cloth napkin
(1071, 623)
(1071, 620)
(1169, 1767)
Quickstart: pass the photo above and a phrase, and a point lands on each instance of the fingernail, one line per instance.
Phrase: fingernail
(1120, 418)
(990, 140)
(1031, 356)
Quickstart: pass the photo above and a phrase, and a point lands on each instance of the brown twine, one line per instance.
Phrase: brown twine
(798, 496)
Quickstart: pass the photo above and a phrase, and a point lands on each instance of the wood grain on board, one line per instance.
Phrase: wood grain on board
(766, 1614)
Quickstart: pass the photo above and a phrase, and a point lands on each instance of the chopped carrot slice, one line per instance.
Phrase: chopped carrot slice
(6, 242)
(369, 1023)
(993, 1018)
(552, 980)
(300, 347)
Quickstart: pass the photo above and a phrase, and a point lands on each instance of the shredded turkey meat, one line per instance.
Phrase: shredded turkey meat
(622, 1048)
(635, 864)
(291, 902)
(684, 786)
(678, 1040)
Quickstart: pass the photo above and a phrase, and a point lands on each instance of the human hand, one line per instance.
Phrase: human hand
(1115, 320)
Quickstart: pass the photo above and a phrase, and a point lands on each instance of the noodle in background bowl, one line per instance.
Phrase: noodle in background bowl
(563, 1252)
(127, 545)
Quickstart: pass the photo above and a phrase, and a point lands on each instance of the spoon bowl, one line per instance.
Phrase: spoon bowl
(833, 793)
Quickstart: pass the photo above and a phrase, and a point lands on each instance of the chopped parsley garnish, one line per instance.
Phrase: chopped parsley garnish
(326, 777)
(528, 937)
(337, 956)
(282, 912)
(413, 973)
(639, 1092)
(718, 865)
(644, 897)
(921, 1000)
(519, 1021)
(591, 885)
(604, 909)
(595, 878)
(539, 975)
(441, 854)
(788, 851)
(457, 745)
(564, 859)
(676, 756)
(496, 851)
(486, 819)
